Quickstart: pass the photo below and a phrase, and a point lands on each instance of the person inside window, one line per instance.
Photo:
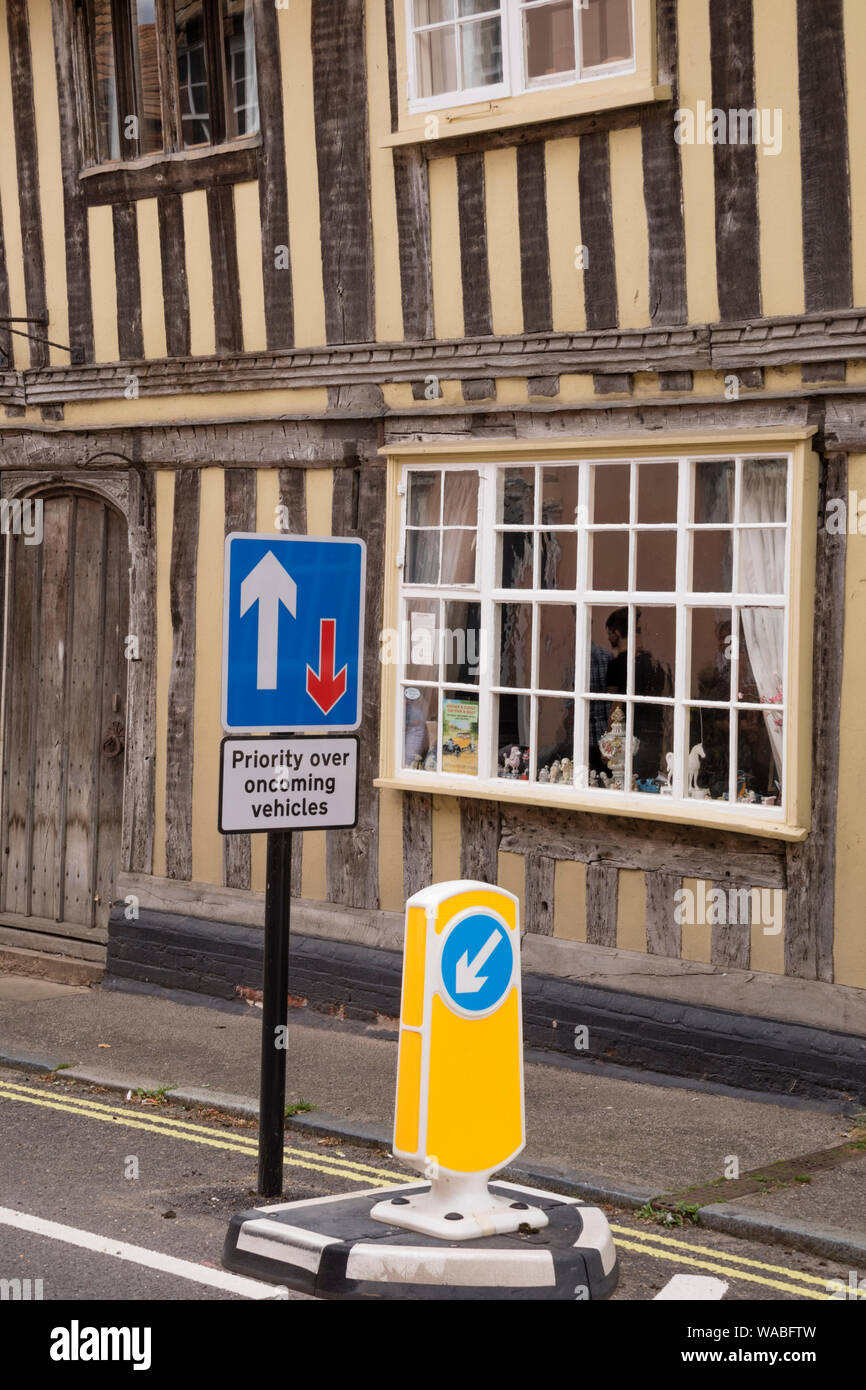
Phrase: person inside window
(651, 677)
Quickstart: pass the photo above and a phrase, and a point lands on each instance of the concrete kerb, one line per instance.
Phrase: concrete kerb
(828, 1242)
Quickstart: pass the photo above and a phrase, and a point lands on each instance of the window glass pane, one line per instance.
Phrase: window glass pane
(598, 724)
(605, 27)
(241, 86)
(762, 661)
(422, 557)
(425, 491)
(762, 560)
(421, 637)
(615, 640)
(714, 491)
(658, 485)
(656, 647)
(611, 494)
(558, 560)
(516, 496)
(104, 81)
(436, 60)
(515, 644)
(420, 728)
(712, 562)
(556, 630)
(556, 742)
(460, 733)
(517, 549)
(609, 551)
(481, 53)
(707, 754)
(461, 499)
(656, 568)
(461, 642)
(458, 557)
(559, 491)
(711, 651)
(759, 757)
(513, 736)
(192, 72)
(765, 488)
(146, 76)
(654, 731)
(433, 11)
(549, 38)
(466, 7)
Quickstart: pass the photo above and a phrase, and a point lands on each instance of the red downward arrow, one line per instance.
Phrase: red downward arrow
(325, 689)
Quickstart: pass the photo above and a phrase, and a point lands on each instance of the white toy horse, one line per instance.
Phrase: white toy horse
(696, 757)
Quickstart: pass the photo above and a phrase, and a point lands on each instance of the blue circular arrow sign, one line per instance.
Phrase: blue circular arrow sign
(477, 963)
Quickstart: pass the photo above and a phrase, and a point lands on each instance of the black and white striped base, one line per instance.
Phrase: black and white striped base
(330, 1248)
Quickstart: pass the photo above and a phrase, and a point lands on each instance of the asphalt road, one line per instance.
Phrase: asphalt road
(102, 1197)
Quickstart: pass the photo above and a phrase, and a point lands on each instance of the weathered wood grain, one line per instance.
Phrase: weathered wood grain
(417, 842)
(78, 292)
(809, 907)
(48, 692)
(663, 932)
(393, 99)
(663, 185)
(130, 334)
(412, 190)
(107, 815)
(824, 156)
(140, 772)
(596, 230)
(164, 25)
(222, 232)
(25, 589)
(6, 359)
(602, 903)
(534, 241)
(175, 289)
(474, 265)
(738, 250)
(479, 839)
(689, 851)
(273, 186)
(539, 893)
(236, 163)
(181, 686)
(27, 164)
(79, 789)
(730, 942)
(240, 515)
(352, 856)
(343, 157)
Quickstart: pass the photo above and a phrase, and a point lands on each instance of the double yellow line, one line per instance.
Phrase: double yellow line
(683, 1252)
(362, 1173)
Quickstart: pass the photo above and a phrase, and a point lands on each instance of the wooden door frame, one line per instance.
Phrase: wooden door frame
(128, 492)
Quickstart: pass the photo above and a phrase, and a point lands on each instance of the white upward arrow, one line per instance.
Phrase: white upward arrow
(268, 585)
(468, 979)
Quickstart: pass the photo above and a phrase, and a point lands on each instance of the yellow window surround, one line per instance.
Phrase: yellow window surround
(792, 821)
(555, 102)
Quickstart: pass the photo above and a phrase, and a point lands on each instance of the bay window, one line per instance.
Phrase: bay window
(616, 629)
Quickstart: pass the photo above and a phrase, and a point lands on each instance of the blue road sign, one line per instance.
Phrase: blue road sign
(293, 632)
(477, 963)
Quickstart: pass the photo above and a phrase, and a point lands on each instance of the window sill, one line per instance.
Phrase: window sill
(769, 824)
(549, 104)
(181, 172)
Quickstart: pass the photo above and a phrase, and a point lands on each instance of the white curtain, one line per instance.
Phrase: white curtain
(762, 570)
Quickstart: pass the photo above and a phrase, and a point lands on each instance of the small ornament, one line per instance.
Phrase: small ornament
(544, 775)
(612, 748)
(696, 757)
(567, 771)
(556, 771)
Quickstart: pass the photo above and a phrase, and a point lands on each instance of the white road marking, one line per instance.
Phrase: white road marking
(694, 1288)
(137, 1254)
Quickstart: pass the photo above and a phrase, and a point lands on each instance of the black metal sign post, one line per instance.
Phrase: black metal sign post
(275, 1012)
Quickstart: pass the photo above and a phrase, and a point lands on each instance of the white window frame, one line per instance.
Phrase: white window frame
(515, 81)
(485, 593)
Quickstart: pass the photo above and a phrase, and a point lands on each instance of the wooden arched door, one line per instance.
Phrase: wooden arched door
(64, 726)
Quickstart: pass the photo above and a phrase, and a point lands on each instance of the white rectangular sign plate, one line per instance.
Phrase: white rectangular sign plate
(288, 784)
